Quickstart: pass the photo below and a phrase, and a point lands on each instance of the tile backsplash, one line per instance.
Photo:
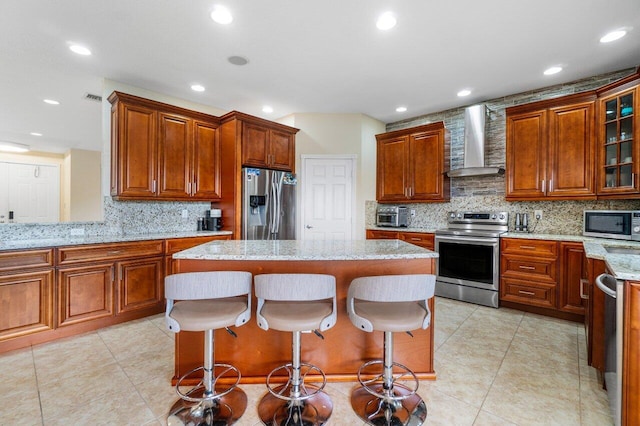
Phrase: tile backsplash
(558, 217)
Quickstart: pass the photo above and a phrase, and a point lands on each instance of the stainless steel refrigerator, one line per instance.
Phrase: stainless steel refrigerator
(268, 205)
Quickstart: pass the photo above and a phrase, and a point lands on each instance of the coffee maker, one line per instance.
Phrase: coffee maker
(213, 220)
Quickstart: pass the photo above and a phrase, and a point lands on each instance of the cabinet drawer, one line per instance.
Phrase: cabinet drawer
(115, 251)
(535, 294)
(381, 235)
(27, 259)
(529, 247)
(529, 267)
(420, 239)
(179, 244)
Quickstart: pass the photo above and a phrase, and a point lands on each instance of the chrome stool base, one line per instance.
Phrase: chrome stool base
(406, 408)
(315, 409)
(225, 410)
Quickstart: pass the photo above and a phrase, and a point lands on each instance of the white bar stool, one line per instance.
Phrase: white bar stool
(389, 303)
(296, 303)
(206, 301)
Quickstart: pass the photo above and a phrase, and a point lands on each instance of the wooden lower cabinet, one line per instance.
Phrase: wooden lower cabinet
(542, 276)
(631, 355)
(140, 284)
(178, 244)
(85, 293)
(26, 303)
(594, 316)
(422, 239)
(46, 294)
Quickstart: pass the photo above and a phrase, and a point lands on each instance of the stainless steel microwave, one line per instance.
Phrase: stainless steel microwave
(392, 216)
(618, 224)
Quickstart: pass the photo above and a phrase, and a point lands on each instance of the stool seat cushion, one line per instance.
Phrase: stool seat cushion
(392, 316)
(296, 316)
(208, 314)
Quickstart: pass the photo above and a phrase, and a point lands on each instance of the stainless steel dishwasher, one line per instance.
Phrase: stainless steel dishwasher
(613, 306)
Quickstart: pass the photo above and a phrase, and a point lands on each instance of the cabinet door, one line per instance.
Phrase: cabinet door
(618, 145)
(139, 284)
(423, 240)
(526, 151)
(206, 162)
(392, 172)
(134, 154)
(255, 148)
(175, 156)
(571, 151)
(27, 303)
(631, 355)
(85, 293)
(571, 272)
(281, 150)
(425, 166)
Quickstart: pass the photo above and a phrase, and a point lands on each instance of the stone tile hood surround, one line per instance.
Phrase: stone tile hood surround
(474, 145)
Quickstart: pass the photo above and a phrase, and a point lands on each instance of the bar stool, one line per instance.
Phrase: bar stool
(387, 394)
(295, 303)
(208, 301)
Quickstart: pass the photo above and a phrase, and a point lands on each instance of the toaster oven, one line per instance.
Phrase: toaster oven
(392, 216)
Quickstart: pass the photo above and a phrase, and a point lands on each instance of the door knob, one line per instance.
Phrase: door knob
(308, 226)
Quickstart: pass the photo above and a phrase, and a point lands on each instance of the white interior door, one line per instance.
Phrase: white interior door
(33, 193)
(328, 196)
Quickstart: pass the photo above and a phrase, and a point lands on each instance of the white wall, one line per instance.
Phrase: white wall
(332, 134)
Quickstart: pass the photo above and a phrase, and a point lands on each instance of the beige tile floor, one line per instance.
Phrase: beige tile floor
(494, 367)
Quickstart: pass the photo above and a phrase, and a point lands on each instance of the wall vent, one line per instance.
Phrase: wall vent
(92, 97)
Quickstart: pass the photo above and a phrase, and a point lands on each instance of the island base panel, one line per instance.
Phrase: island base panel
(255, 352)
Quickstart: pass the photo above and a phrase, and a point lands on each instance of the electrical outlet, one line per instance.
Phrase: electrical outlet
(185, 214)
(538, 214)
(413, 213)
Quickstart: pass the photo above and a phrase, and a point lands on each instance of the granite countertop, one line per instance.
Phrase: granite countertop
(402, 229)
(80, 240)
(306, 250)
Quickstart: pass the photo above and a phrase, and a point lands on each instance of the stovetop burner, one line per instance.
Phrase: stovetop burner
(489, 224)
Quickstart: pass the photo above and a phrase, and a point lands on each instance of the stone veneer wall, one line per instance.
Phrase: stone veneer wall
(120, 218)
(487, 192)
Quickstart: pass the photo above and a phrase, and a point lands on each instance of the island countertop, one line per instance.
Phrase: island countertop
(344, 348)
(293, 250)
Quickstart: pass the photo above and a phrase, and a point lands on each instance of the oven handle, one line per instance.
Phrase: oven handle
(463, 240)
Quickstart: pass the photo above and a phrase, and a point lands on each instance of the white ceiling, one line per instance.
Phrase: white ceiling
(304, 56)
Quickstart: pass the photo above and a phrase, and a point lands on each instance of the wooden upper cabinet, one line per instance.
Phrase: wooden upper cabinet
(160, 151)
(618, 141)
(550, 149)
(411, 165)
(134, 150)
(266, 147)
(571, 151)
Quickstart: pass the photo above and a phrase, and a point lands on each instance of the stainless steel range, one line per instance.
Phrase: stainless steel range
(468, 266)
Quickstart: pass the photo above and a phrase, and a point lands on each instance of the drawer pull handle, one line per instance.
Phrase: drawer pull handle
(526, 267)
(416, 239)
(528, 293)
(583, 295)
(115, 251)
(528, 247)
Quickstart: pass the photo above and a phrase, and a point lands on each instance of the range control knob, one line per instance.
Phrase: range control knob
(452, 215)
(459, 216)
(493, 216)
(501, 216)
(636, 229)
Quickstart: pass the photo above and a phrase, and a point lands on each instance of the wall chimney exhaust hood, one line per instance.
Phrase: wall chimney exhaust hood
(474, 145)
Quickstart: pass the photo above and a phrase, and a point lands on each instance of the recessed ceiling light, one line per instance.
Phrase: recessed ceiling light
(268, 109)
(613, 36)
(552, 70)
(401, 109)
(238, 60)
(386, 21)
(221, 15)
(51, 102)
(464, 92)
(13, 147)
(35, 134)
(80, 50)
(197, 88)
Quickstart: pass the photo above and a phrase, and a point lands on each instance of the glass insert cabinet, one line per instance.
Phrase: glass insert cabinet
(618, 143)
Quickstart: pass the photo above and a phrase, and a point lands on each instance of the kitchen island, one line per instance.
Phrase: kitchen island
(256, 352)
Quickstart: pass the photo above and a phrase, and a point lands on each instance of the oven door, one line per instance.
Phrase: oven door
(468, 261)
